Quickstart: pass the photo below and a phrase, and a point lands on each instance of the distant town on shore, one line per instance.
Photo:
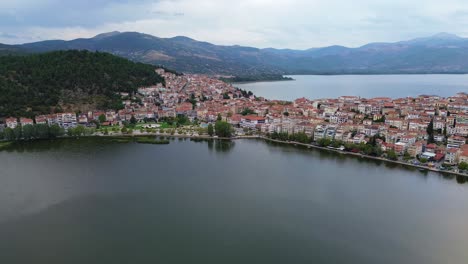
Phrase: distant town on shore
(428, 129)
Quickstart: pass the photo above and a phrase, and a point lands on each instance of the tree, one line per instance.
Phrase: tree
(41, 131)
(9, 134)
(324, 142)
(102, 118)
(210, 130)
(219, 118)
(286, 113)
(423, 160)
(247, 111)
(18, 132)
(28, 132)
(56, 131)
(223, 129)
(301, 137)
(406, 156)
(182, 120)
(80, 130)
(133, 120)
(391, 154)
(124, 130)
(463, 166)
(430, 132)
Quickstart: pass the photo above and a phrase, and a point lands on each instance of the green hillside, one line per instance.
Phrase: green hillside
(68, 80)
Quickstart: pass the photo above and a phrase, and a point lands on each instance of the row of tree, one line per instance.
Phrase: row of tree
(28, 132)
(369, 149)
(300, 137)
(43, 131)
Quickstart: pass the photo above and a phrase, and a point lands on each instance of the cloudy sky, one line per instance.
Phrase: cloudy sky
(260, 23)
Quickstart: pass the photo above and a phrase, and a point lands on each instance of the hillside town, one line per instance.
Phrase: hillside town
(424, 128)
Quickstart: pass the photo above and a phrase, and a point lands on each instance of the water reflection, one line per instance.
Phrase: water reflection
(461, 179)
(218, 145)
(324, 155)
(55, 145)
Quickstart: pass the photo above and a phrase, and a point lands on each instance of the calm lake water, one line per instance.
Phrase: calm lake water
(332, 86)
(248, 201)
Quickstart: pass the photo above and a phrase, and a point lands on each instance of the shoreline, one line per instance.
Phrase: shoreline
(275, 141)
(247, 82)
(364, 156)
(347, 74)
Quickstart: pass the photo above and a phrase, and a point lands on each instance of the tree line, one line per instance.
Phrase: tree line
(43, 131)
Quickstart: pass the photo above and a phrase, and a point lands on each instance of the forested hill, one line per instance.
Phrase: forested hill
(68, 80)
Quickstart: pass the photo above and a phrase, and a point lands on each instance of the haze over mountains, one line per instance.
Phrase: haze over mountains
(441, 53)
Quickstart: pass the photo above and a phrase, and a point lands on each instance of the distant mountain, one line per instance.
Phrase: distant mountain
(441, 53)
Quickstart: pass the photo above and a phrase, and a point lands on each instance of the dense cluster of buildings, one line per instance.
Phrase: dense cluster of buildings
(400, 123)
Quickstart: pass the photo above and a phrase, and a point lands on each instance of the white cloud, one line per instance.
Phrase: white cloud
(261, 23)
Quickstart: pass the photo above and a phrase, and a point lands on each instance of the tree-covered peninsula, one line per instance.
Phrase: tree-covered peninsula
(72, 80)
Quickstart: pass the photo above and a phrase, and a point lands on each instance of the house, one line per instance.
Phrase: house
(41, 119)
(400, 147)
(415, 149)
(83, 119)
(26, 121)
(251, 121)
(408, 139)
(235, 119)
(358, 139)
(455, 142)
(67, 120)
(451, 156)
(319, 132)
(463, 154)
(11, 122)
(431, 148)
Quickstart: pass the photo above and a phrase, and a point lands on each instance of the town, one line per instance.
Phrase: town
(427, 130)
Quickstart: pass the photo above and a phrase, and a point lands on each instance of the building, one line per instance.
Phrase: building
(251, 121)
(11, 122)
(26, 121)
(451, 156)
(320, 132)
(455, 142)
(400, 147)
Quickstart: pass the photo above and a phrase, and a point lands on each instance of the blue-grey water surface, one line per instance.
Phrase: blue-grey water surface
(333, 86)
(248, 201)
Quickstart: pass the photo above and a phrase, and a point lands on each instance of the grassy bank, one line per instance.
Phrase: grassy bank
(5, 144)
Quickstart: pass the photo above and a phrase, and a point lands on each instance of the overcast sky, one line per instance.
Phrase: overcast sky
(297, 24)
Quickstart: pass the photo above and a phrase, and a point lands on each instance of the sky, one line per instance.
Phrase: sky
(295, 24)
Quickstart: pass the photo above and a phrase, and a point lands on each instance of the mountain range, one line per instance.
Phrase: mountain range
(441, 53)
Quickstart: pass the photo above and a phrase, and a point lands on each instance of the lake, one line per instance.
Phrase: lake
(245, 201)
(333, 86)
